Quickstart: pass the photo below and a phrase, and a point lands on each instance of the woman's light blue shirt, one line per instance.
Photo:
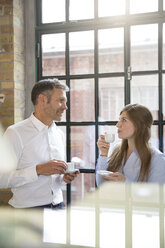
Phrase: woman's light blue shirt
(131, 168)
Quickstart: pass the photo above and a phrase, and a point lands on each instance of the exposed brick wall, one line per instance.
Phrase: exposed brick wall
(11, 67)
(12, 61)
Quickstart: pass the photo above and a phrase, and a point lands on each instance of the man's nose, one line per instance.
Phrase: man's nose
(65, 106)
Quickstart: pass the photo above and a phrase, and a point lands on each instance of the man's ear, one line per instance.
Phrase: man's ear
(42, 99)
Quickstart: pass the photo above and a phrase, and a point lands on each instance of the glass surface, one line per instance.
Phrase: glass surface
(111, 50)
(81, 46)
(53, 11)
(82, 100)
(154, 140)
(111, 211)
(83, 145)
(144, 90)
(54, 233)
(141, 6)
(84, 235)
(63, 129)
(53, 54)
(144, 47)
(145, 220)
(81, 9)
(113, 217)
(141, 193)
(111, 7)
(83, 184)
(111, 98)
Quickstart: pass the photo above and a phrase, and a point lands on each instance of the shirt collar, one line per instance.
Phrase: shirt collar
(39, 124)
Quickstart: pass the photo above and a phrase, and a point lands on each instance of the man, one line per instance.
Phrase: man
(39, 146)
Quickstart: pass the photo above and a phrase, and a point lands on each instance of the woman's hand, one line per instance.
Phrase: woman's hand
(103, 146)
(115, 177)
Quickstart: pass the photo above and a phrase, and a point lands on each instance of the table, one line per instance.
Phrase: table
(115, 215)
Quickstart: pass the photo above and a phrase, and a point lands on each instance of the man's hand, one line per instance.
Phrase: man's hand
(69, 177)
(52, 167)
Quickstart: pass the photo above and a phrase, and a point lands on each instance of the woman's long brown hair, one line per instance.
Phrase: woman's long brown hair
(142, 120)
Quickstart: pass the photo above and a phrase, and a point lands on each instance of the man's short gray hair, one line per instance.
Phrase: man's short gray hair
(46, 86)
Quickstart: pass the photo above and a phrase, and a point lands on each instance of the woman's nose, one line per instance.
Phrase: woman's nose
(118, 124)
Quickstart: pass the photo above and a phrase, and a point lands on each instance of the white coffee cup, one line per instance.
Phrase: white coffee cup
(109, 137)
(70, 166)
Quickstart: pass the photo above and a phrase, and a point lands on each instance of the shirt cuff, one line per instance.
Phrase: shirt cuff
(30, 174)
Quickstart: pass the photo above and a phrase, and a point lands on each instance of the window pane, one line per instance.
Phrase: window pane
(82, 227)
(141, 6)
(81, 52)
(144, 47)
(82, 100)
(111, 50)
(144, 91)
(111, 98)
(155, 136)
(83, 147)
(113, 217)
(54, 228)
(63, 129)
(83, 184)
(81, 9)
(111, 7)
(150, 220)
(83, 144)
(53, 11)
(53, 54)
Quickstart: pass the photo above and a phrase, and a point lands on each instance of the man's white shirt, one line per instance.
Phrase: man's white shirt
(34, 143)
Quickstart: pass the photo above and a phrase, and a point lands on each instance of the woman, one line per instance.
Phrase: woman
(134, 160)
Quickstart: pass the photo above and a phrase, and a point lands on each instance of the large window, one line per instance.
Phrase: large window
(110, 53)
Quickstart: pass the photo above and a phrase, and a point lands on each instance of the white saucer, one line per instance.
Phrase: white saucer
(104, 172)
(71, 171)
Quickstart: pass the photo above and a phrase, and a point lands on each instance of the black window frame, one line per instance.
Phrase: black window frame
(125, 21)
